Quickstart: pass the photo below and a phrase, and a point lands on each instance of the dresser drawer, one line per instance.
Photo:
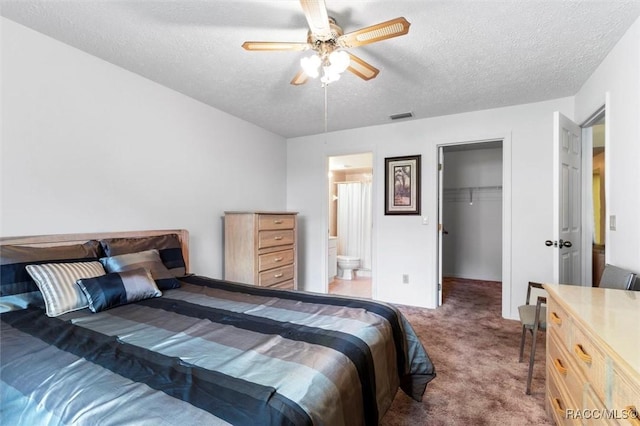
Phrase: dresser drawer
(275, 221)
(558, 401)
(590, 360)
(274, 276)
(565, 368)
(595, 412)
(284, 285)
(558, 321)
(275, 259)
(275, 238)
(626, 399)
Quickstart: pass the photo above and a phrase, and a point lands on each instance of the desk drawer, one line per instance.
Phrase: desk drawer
(275, 238)
(274, 276)
(276, 221)
(275, 259)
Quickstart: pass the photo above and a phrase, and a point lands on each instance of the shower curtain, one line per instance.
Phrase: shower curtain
(355, 221)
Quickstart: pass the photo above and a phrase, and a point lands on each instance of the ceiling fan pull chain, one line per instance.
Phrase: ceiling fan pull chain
(326, 109)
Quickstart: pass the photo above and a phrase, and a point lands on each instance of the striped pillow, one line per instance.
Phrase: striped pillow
(118, 288)
(57, 283)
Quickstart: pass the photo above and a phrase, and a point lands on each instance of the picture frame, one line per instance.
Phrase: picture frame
(402, 185)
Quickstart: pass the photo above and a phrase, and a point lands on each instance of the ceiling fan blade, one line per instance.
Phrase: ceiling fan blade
(316, 13)
(300, 78)
(361, 68)
(274, 45)
(382, 31)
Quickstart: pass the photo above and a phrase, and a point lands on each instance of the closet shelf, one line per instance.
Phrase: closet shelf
(473, 193)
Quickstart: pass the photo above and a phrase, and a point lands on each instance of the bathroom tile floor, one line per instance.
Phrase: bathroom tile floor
(358, 287)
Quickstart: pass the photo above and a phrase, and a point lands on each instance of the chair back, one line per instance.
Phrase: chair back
(614, 277)
(635, 283)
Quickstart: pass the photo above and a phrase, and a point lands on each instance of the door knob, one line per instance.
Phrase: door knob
(560, 244)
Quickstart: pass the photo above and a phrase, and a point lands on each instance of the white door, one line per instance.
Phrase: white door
(440, 220)
(567, 220)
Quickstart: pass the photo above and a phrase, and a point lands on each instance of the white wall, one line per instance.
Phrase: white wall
(530, 128)
(472, 214)
(88, 146)
(619, 76)
(402, 245)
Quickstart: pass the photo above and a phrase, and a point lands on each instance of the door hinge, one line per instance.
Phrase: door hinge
(439, 286)
(439, 166)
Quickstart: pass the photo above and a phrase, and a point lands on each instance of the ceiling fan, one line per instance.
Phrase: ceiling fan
(326, 39)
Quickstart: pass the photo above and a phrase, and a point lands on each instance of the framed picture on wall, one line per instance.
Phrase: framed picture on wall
(402, 185)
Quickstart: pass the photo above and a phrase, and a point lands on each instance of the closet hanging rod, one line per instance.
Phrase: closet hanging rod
(474, 188)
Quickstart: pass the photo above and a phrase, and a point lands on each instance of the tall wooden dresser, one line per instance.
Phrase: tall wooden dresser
(593, 355)
(260, 248)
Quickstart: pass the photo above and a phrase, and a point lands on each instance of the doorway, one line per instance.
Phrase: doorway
(595, 207)
(350, 225)
(471, 207)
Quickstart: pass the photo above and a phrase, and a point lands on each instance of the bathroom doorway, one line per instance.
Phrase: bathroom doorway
(350, 225)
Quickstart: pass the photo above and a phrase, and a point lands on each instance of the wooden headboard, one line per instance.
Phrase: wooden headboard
(66, 239)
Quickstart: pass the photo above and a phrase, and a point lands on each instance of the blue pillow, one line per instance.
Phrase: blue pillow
(118, 288)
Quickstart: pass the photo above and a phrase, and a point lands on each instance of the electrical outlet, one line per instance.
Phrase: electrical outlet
(612, 222)
(405, 279)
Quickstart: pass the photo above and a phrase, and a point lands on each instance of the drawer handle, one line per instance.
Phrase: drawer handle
(278, 238)
(281, 274)
(561, 368)
(557, 405)
(555, 318)
(633, 415)
(577, 348)
(278, 259)
(278, 221)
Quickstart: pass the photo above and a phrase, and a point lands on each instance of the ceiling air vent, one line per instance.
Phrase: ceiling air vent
(401, 115)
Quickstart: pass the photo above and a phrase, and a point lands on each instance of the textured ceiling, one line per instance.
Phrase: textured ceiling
(458, 56)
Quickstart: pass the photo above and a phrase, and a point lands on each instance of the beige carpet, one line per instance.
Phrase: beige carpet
(475, 352)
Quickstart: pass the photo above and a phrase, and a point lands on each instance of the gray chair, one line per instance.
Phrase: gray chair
(533, 318)
(614, 277)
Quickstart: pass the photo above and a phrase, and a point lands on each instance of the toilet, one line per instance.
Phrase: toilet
(346, 265)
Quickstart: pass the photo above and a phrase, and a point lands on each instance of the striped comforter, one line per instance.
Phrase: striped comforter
(210, 353)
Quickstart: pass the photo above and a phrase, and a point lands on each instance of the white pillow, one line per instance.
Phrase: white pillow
(57, 283)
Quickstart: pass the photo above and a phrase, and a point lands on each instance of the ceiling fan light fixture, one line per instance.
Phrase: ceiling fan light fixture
(310, 65)
(339, 61)
(326, 38)
(335, 64)
(329, 75)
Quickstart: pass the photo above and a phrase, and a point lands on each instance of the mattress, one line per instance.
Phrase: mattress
(211, 352)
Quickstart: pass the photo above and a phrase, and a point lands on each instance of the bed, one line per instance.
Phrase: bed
(144, 341)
